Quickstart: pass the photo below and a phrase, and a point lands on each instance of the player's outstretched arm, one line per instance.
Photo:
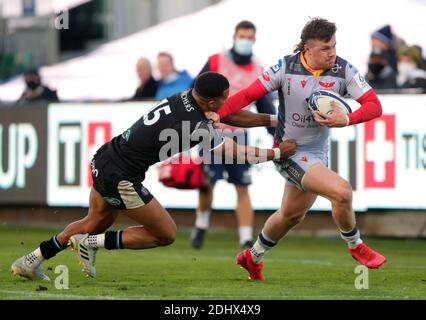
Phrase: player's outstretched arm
(248, 119)
(243, 98)
(254, 155)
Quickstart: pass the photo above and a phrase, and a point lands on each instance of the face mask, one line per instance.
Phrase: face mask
(33, 84)
(243, 47)
(404, 71)
(406, 68)
(375, 68)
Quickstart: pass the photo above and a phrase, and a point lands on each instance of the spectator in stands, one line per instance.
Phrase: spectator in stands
(171, 81)
(422, 63)
(385, 42)
(35, 90)
(241, 68)
(380, 74)
(410, 75)
(147, 84)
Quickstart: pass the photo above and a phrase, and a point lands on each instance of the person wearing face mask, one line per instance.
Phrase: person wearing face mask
(380, 74)
(35, 90)
(410, 75)
(241, 68)
(386, 42)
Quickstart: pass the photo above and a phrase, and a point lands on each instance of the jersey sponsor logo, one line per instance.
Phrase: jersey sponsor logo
(336, 68)
(379, 152)
(266, 76)
(303, 83)
(327, 85)
(95, 172)
(301, 120)
(275, 68)
(188, 106)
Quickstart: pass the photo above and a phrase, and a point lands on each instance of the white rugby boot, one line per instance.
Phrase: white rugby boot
(86, 255)
(25, 268)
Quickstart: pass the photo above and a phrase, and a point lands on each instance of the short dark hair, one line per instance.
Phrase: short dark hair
(317, 29)
(245, 24)
(32, 72)
(211, 85)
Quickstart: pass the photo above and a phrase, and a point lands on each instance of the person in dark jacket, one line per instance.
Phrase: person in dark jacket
(35, 90)
(380, 74)
(147, 84)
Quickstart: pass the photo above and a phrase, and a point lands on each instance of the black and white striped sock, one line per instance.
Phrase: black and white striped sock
(353, 238)
(261, 246)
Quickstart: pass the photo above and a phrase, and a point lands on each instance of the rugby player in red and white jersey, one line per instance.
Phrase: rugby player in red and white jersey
(313, 66)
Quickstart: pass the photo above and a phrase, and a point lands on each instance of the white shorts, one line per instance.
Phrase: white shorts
(294, 168)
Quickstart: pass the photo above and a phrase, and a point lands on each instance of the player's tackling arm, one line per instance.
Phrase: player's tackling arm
(253, 155)
(269, 81)
(248, 119)
(243, 98)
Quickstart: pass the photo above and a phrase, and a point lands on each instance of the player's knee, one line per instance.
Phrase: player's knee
(343, 194)
(169, 237)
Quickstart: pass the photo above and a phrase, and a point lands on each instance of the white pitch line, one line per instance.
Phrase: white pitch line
(276, 297)
(64, 296)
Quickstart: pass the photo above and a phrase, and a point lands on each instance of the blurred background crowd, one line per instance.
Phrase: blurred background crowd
(39, 33)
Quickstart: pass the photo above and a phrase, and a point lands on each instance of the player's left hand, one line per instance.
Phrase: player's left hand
(334, 119)
(212, 116)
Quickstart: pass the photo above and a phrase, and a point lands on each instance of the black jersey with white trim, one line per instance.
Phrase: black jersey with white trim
(176, 124)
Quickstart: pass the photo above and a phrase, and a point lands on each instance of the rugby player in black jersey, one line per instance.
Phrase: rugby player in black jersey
(176, 124)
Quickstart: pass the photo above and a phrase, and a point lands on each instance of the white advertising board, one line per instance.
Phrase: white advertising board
(384, 159)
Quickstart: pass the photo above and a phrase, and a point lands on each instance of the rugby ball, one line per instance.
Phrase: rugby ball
(320, 100)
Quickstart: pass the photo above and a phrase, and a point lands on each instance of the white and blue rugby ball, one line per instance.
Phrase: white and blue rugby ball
(320, 100)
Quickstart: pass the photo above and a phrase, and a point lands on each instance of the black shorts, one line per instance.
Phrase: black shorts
(119, 189)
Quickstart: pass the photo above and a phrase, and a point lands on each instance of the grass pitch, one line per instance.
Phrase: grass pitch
(298, 268)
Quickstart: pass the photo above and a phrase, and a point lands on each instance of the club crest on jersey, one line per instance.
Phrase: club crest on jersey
(327, 85)
(303, 83)
(336, 68)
